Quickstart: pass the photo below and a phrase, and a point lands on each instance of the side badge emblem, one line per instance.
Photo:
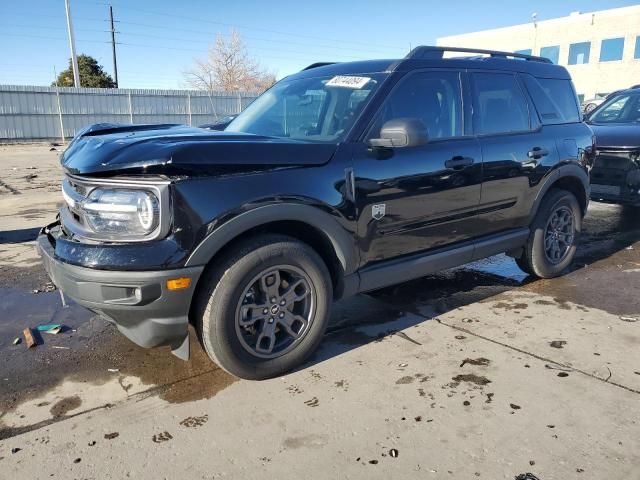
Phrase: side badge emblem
(378, 211)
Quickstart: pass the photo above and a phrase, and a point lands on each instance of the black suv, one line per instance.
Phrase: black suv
(615, 177)
(342, 178)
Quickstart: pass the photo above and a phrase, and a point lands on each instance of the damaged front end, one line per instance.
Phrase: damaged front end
(615, 177)
(138, 199)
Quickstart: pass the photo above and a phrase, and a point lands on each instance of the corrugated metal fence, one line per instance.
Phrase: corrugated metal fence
(38, 113)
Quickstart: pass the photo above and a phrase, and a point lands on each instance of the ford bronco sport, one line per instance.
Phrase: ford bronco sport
(342, 178)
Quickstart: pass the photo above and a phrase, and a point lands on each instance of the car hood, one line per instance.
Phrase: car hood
(621, 136)
(171, 149)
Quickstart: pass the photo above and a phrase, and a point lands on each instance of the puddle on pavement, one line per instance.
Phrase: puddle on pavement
(85, 353)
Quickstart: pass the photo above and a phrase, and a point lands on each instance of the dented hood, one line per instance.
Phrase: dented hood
(171, 149)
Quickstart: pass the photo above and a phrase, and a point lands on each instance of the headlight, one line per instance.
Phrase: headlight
(113, 211)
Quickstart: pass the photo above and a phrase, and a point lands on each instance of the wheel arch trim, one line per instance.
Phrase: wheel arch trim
(570, 171)
(341, 240)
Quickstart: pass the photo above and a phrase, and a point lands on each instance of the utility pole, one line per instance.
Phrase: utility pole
(72, 46)
(113, 47)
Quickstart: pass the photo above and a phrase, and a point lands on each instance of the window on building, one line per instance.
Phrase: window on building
(552, 53)
(579, 53)
(526, 51)
(499, 104)
(611, 49)
(637, 52)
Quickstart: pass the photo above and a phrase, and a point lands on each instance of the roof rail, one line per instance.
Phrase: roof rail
(424, 52)
(317, 64)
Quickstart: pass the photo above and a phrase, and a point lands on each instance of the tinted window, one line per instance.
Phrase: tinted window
(433, 97)
(636, 54)
(499, 104)
(554, 100)
(552, 53)
(611, 49)
(579, 53)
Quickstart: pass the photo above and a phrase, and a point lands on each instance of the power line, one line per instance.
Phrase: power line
(245, 27)
(47, 38)
(306, 53)
(244, 37)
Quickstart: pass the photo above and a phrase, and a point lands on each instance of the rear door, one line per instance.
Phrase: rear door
(515, 150)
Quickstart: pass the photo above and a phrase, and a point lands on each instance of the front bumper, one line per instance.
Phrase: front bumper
(623, 195)
(137, 302)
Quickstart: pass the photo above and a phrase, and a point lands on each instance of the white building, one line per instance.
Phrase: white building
(600, 49)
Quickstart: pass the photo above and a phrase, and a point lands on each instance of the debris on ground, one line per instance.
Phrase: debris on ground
(31, 176)
(29, 338)
(15, 450)
(514, 406)
(111, 436)
(17, 340)
(483, 362)
(629, 319)
(557, 343)
(393, 453)
(471, 378)
(51, 328)
(526, 476)
(113, 370)
(46, 288)
(60, 348)
(407, 337)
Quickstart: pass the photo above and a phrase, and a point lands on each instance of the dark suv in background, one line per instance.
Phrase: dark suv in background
(342, 178)
(615, 177)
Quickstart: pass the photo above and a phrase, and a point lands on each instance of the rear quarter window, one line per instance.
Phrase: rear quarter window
(554, 99)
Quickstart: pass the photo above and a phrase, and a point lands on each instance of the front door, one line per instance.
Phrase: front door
(411, 199)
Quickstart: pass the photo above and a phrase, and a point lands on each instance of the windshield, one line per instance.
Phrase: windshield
(321, 109)
(624, 108)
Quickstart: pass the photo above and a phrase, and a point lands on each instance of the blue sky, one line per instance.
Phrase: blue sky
(160, 38)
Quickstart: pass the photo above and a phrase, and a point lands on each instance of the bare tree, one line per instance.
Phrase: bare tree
(229, 67)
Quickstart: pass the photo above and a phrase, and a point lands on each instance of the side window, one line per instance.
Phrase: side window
(499, 106)
(433, 97)
(554, 99)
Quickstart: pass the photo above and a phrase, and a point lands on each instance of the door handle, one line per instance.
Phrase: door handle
(537, 152)
(458, 162)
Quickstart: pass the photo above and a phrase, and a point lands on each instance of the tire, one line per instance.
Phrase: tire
(547, 263)
(238, 335)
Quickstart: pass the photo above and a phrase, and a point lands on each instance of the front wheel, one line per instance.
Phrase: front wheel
(552, 243)
(265, 307)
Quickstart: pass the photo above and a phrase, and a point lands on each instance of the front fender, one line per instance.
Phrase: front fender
(341, 239)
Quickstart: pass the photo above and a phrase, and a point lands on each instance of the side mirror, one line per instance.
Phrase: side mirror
(401, 132)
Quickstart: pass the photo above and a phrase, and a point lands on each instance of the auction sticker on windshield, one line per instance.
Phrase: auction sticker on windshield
(347, 81)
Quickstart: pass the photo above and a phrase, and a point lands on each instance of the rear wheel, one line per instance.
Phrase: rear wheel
(552, 243)
(265, 308)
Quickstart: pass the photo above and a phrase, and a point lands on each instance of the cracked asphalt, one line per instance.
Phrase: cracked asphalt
(476, 372)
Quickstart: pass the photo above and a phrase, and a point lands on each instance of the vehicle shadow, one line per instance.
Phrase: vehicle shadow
(377, 315)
